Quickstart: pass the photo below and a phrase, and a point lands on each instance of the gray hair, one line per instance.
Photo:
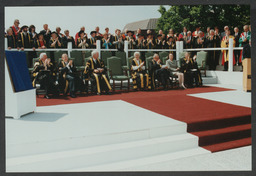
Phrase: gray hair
(136, 53)
(155, 55)
(211, 30)
(9, 29)
(42, 55)
(94, 52)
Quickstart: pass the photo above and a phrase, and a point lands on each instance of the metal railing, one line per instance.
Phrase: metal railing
(178, 50)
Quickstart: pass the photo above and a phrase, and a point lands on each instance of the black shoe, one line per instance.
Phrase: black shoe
(73, 95)
(47, 96)
(108, 93)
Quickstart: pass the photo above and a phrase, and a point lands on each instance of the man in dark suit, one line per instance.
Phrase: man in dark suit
(158, 71)
(47, 33)
(92, 40)
(247, 50)
(67, 38)
(11, 39)
(68, 73)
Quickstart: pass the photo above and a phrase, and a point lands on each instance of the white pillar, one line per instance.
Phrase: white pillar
(230, 53)
(98, 47)
(177, 52)
(69, 49)
(5, 44)
(126, 49)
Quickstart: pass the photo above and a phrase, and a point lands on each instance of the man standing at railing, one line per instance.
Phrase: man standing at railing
(11, 39)
(188, 40)
(130, 39)
(117, 40)
(47, 33)
(16, 28)
(25, 40)
(92, 40)
(67, 38)
(244, 39)
(237, 52)
(159, 42)
(211, 43)
(218, 41)
(225, 53)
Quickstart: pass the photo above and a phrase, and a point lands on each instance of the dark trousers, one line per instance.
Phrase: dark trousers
(211, 60)
(237, 55)
(162, 75)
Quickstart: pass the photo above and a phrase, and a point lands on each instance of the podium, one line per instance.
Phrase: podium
(17, 103)
(247, 74)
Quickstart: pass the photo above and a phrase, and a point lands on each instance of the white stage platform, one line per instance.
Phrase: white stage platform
(83, 137)
(70, 137)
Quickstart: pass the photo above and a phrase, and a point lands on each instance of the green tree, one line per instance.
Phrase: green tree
(176, 17)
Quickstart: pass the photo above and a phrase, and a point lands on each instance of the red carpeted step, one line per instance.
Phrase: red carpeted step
(229, 145)
(218, 123)
(210, 137)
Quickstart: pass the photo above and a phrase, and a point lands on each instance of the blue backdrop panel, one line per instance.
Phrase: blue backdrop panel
(17, 63)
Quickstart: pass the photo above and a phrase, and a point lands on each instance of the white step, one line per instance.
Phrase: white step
(68, 160)
(210, 80)
(72, 143)
(130, 164)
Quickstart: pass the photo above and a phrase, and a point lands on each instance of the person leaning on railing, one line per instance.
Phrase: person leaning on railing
(44, 73)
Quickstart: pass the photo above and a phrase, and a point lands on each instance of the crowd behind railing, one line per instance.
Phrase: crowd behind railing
(26, 37)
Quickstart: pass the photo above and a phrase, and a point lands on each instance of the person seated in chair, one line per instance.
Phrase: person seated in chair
(68, 76)
(139, 76)
(159, 72)
(44, 73)
(175, 70)
(196, 73)
(96, 71)
(186, 68)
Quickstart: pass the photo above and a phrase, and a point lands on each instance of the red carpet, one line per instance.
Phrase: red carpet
(219, 126)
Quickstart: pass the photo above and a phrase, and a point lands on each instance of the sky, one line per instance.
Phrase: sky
(74, 17)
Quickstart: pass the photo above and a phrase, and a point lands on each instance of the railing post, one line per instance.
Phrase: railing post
(69, 49)
(177, 52)
(5, 44)
(126, 49)
(230, 53)
(98, 47)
